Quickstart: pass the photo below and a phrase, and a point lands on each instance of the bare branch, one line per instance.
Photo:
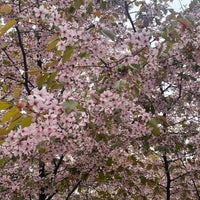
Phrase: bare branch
(129, 16)
(26, 77)
(73, 189)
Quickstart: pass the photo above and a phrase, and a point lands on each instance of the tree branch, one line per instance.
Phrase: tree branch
(9, 58)
(73, 189)
(51, 196)
(168, 186)
(26, 77)
(129, 16)
(57, 165)
(180, 176)
(42, 195)
(77, 184)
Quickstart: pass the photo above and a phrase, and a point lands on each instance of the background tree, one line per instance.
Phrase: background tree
(95, 108)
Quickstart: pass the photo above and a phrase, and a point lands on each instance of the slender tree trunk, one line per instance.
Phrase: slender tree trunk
(42, 195)
(167, 173)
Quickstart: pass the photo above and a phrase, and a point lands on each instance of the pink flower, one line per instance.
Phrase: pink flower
(61, 45)
(41, 12)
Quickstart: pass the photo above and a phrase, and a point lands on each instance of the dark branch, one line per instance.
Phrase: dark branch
(42, 195)
(168, 186)
(129, 16)
(164, 90)
(196, 188)
(39, 60)
(19, 4)
(105, 64)
(73, 189)
(15, 65)
(78, 183)
(51, 196)
(180, 176)
(57, 165)
(26, 77)
(9, 58)
(42, 169)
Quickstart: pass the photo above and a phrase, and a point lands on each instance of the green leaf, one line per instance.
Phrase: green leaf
(10, 114)
(109, 162)
(151, 183)
(154, 125)
(7, 26)
(4, 105)
(101, 176)
(78, 3)
(149, 167)
(119, 85)
(143, 180)
(26, 121)
(51, 79)
(16, 120)
(41, 150)
(70, 105)
(89, 8)
(84, 55)
(74, 171)
(16, 92)
(71, 10)
(108, 34)
(133, 159)
(41, 80)
(100, 137)
(67, 54)
(4, 161)
(121, 191)
(52, 44)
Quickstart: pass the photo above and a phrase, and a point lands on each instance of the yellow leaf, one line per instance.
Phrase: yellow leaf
(34, 72)
(16, 120)
(10, 114)
(7, 26)
(52, 44)
(41, 150)
(16, 117)
(3, 132)
(4, 105)
(5, 9)
(26, 121)
(16, 92)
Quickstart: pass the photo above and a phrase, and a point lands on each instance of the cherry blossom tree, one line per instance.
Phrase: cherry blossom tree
(98, 104)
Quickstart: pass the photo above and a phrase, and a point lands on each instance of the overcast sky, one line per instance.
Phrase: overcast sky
(176, 4)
